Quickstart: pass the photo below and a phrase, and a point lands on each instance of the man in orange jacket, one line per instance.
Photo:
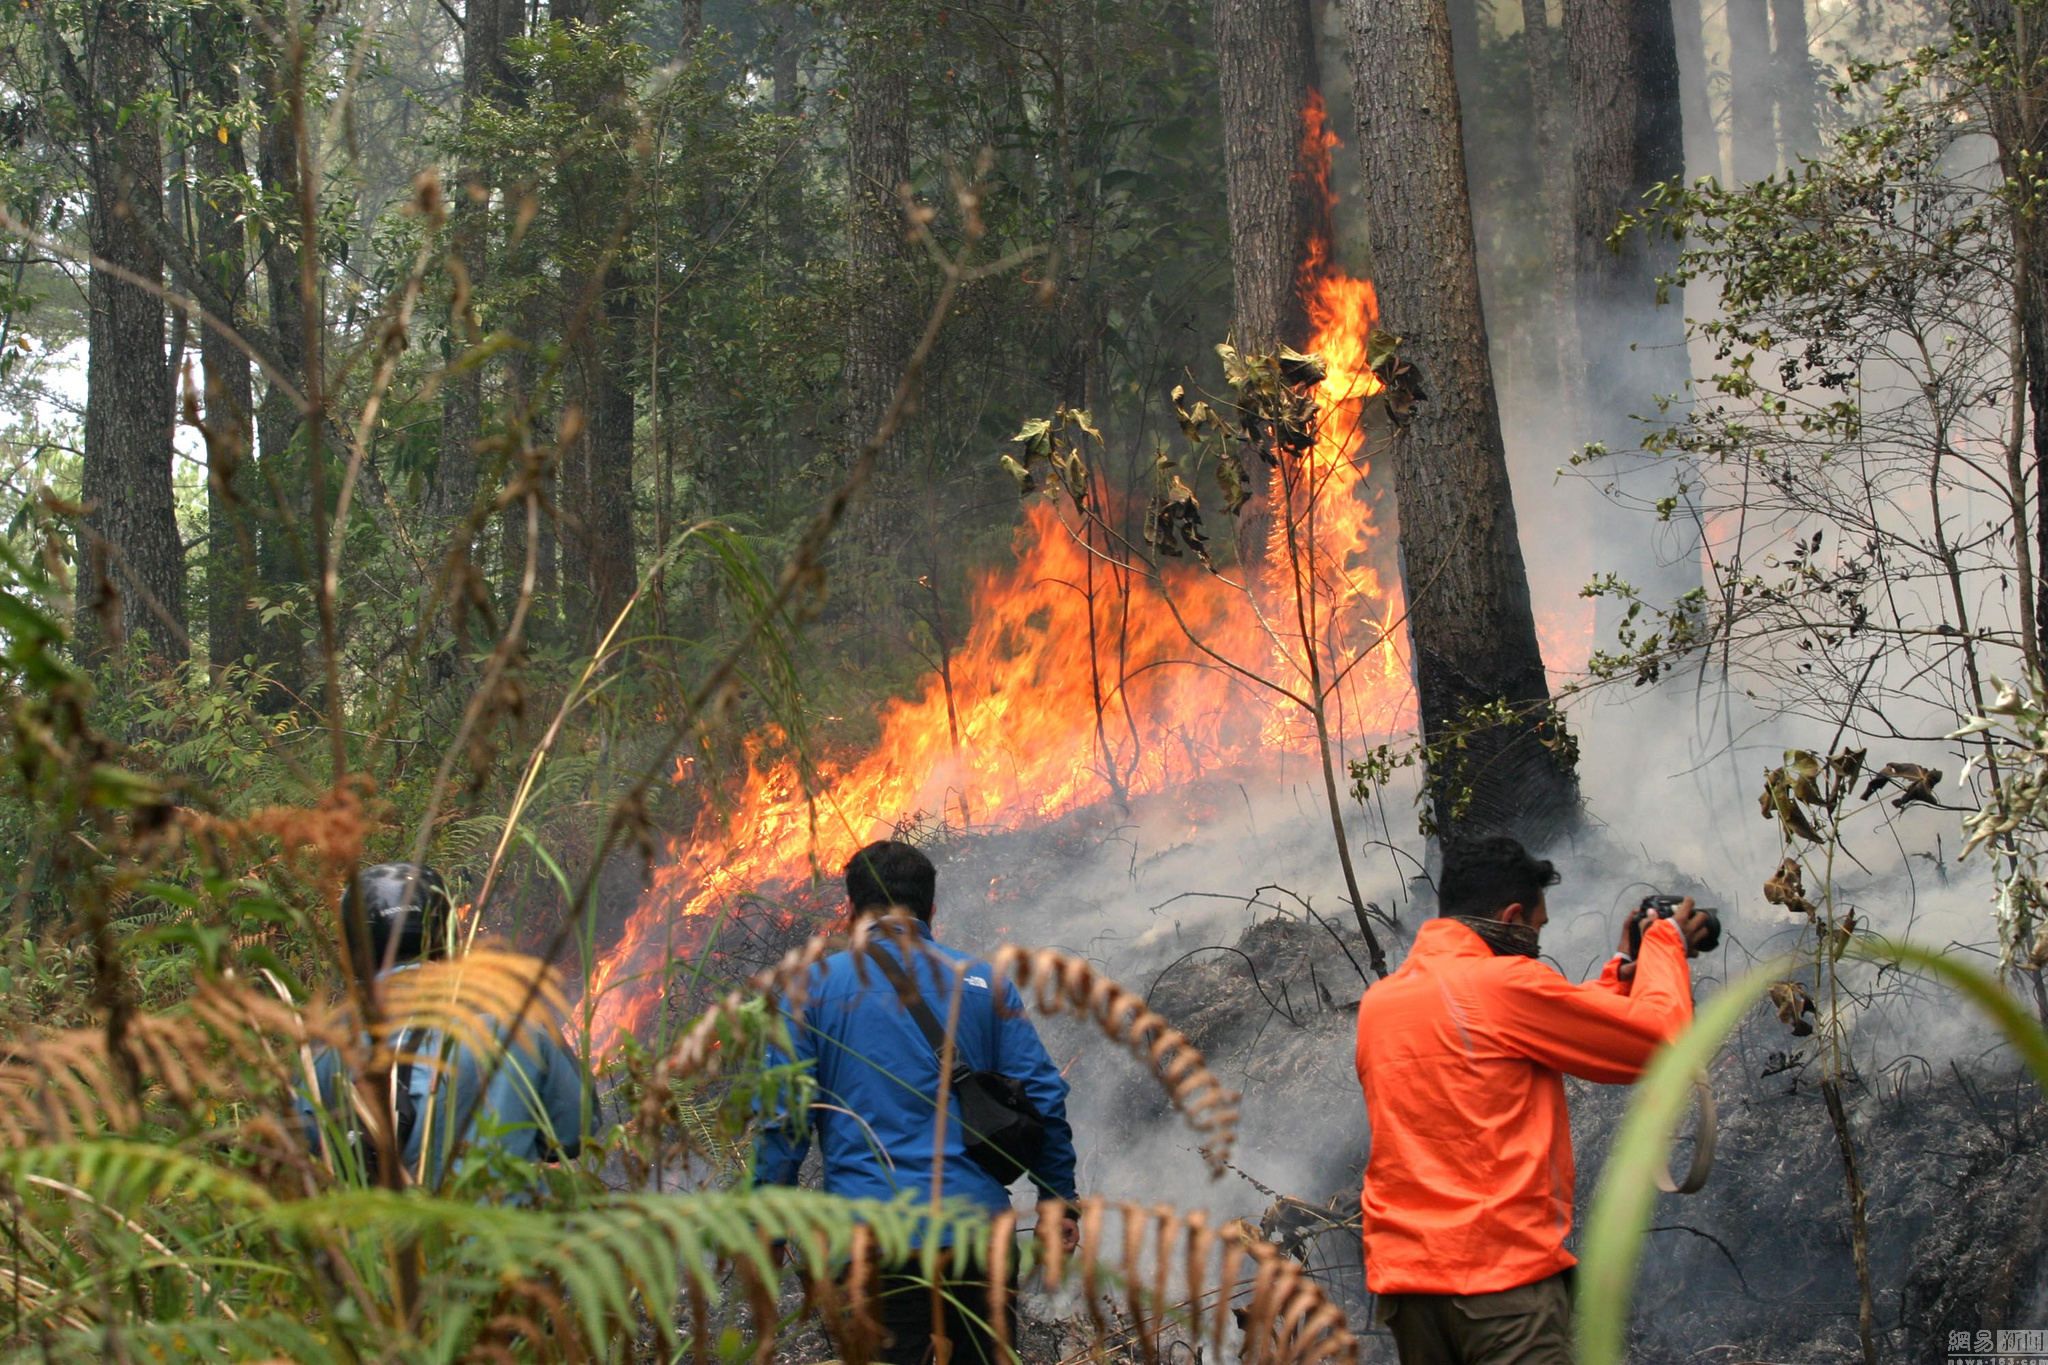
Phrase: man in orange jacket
(1462, 1054)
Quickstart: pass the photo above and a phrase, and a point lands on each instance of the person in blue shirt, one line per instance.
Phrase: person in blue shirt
(398, 915)
(875, 1101)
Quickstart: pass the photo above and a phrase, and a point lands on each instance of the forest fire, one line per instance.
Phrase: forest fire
(1084, 677)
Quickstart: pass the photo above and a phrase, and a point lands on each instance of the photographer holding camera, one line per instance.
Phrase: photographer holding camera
(1462, 1054)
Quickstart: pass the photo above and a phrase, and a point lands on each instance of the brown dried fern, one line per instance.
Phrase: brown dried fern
(1287, 1319)
(1056, 979)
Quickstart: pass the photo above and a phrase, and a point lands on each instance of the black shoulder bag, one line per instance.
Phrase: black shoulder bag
(1003, 1128)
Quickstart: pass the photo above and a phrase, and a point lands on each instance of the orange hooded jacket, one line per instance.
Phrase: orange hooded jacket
(1469, 1186)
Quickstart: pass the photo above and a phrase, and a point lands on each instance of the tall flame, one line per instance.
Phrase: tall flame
(1080, 681)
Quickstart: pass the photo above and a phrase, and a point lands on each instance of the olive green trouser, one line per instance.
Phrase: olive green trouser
(1528, 1325)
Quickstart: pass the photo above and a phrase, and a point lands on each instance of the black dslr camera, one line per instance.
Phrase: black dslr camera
(1664, 907)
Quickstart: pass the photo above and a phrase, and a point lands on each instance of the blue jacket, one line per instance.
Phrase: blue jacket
(877, 1072)
(533, 1109)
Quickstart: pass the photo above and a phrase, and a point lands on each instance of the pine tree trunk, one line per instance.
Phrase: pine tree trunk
(2019, 124)
(882, 314)
(281, 481)
(612, 561)
(1628, 136)
(596, 478)
(219, 40)
(1553, 146)
(789, 99)
(132, 564)
(1750, 90)
(1279, 205)
(1469, 615)
(1798, 93)
(453, 491)
(1702, 140)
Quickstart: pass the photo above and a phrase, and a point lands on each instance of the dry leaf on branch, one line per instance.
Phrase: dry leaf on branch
(1794, 1005)
(1788, 888)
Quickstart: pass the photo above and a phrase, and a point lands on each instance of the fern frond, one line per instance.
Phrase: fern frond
(125, 1176)
(1057, 980)
(473, 999)
(1060, 980)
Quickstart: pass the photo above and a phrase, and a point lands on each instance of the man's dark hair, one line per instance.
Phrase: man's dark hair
(396, 912)
(890, 873)
(1483, 877)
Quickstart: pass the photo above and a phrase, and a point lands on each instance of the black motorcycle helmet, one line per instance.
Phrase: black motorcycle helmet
(396, 901)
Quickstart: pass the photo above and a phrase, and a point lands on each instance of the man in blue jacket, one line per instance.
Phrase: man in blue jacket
(876, 1099)
(398, 915)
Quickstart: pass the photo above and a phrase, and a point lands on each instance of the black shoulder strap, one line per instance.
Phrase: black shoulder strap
(913, 1000)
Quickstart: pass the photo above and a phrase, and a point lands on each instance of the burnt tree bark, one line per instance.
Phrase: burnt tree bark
(1798, 92)
(132, 561)
(1470, 621)
(1279, 205)
(219, 38)
(1753, 145)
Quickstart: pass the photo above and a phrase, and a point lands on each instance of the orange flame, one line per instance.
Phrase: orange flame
(1078, 681)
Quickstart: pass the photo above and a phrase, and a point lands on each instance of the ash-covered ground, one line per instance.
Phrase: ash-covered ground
(1264, 970)
(1225, 908)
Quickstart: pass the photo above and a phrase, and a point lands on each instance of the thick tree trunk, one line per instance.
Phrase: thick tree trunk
(1469, 613)
(789, 99)
(486, 26)
(612, 561)
(281, 480)
(1279, 202)
(1553, 146)
(2019, 125)
(877, 164)
(132, 561)
(882, 315)
(219, 39)
(1702, 140)
(596, 476)
(1074, 360)
(1798, 92)
(1751, 87)
(1627, 138)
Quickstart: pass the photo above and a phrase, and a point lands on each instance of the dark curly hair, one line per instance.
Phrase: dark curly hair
(1483, 877)
(889, 874)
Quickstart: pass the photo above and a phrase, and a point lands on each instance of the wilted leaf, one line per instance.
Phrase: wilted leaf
(1803, 770)
(1233, 364)
(1230, 478)
(1915, 784)
(1788, 888)
(1026, 483)
(1173, 522)
(1035, 436)
(1302, 371)
(1794, 1005)
(1073, 475)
